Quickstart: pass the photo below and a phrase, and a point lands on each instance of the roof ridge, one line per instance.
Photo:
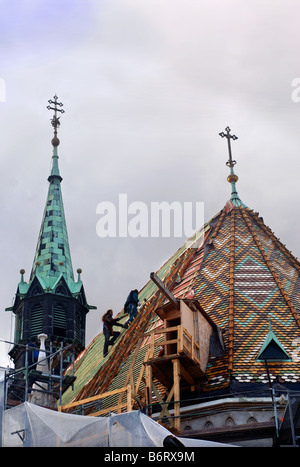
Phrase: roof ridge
(271, 269)
(231, 290)
(209, 235)
(276, 240)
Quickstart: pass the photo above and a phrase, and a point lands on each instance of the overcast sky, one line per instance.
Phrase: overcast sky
(147, 85)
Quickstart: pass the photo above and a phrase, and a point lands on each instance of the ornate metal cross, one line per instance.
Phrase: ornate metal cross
(227, 135)
(55, 119)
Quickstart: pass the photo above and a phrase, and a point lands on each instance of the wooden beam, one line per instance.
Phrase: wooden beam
(164, 407)
(92, 399)
(130, 373)
(115, 408)
(164, 289)
(162, 377)
(140, 377)
(169, 398)
(186, 375)
(180, 339)
(176, 378)
(129, 397)
(148, 371)
(159, 330)
(152, 345)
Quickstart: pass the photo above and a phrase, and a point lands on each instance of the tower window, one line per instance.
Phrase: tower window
(19, 326)
(59, 320)
(78, 326)
(36, 320)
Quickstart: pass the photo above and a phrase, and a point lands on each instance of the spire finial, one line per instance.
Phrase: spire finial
(232, 178)
(55, 119)
(227, 135)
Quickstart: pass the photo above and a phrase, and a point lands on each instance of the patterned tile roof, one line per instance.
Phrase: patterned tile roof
(247, 277)
(242, 276)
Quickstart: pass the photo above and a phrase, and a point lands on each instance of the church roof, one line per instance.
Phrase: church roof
(242, 275)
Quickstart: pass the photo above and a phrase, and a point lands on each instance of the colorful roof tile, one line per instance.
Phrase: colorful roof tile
(242, 275)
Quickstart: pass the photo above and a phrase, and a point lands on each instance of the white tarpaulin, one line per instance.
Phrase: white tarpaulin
(34, 426)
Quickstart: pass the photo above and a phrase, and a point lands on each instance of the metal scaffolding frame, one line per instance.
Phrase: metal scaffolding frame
(57, 383)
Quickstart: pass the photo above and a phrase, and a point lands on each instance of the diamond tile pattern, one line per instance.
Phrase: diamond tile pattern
(242, 275)
(257, 296)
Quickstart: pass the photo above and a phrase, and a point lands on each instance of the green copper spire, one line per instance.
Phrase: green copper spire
(55, 169)
(232, 178)
(52, 257)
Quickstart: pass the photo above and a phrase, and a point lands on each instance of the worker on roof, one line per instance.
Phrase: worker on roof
(131, 305)
(109, 334)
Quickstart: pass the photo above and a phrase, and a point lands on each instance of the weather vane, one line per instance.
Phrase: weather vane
(55, 119)
(227, 135)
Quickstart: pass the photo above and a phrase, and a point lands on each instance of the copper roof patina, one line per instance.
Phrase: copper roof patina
(52, 264)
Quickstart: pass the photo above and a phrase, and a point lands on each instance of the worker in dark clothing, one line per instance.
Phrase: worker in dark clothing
(131, 305)
(109, 334)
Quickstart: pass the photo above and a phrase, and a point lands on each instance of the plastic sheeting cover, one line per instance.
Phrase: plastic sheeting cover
(33, 426)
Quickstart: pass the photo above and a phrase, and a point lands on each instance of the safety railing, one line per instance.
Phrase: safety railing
(177, 341)
(99, 400)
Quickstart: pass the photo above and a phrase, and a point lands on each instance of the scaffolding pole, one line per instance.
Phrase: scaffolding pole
(26, 371)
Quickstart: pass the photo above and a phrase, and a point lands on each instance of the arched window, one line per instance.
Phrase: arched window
(229, 421)
(208, 424)
(187, 428)
(61, 290)
(251, 420)
(36, 290)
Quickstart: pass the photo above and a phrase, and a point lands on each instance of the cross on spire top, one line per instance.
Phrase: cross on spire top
(227, 135)
(55, 119)
(232, 177)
